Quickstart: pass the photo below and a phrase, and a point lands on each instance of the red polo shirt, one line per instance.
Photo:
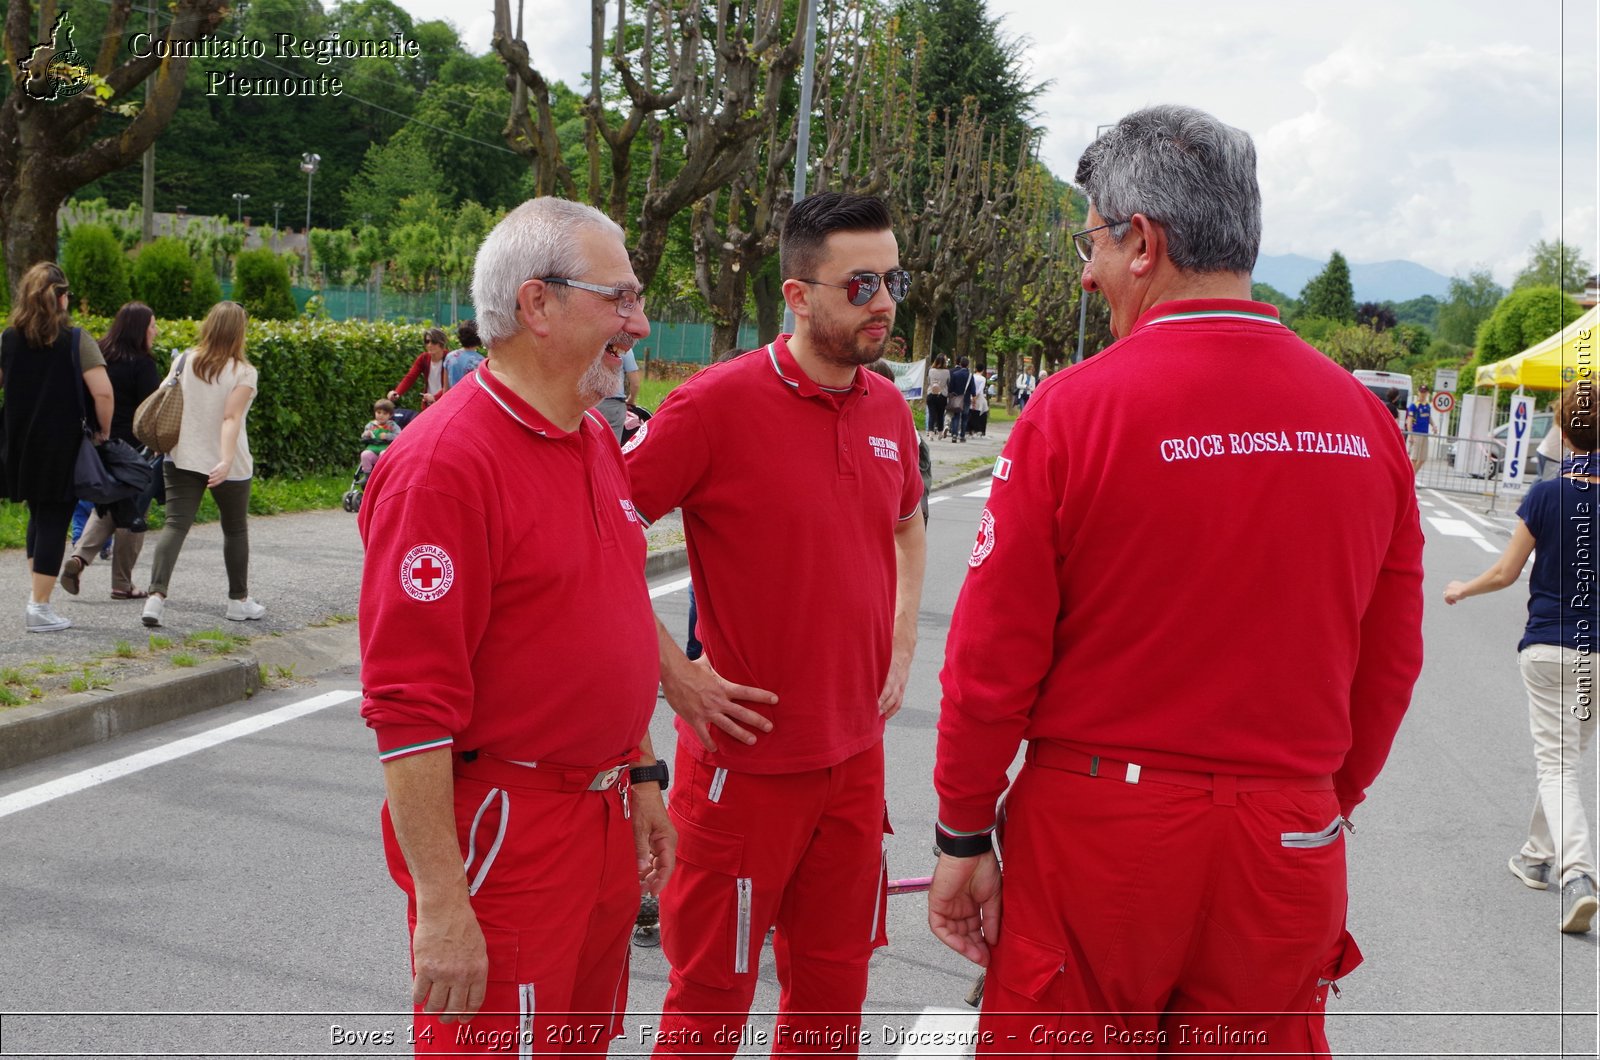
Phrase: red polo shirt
(791, 495)
(503, 600)
(1201, 552)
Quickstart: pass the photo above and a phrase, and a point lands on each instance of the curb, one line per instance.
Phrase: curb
(29, 733)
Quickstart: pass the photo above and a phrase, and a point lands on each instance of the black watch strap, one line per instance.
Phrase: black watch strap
(962, 846)
(656, 771)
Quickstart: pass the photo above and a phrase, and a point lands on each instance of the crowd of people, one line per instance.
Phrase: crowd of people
(1182, 858)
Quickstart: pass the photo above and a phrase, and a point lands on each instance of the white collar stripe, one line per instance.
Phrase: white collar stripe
(772, 352)
(1212, 314)
(487, 389)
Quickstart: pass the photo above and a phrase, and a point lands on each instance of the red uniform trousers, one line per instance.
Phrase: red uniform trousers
(1180, 913)
(804, 851)
(555, 885)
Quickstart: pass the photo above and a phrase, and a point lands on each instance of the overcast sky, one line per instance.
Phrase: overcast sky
(1452, 133)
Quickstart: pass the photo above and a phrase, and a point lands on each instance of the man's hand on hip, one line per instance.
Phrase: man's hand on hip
(701, 697)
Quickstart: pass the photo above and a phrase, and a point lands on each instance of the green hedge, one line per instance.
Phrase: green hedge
(318, 380)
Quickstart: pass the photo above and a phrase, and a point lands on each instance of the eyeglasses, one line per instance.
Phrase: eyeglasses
(1085, 245)
(626, 298)
(863, 286)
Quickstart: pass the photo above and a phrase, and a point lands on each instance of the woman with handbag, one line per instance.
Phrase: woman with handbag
(217, 383)
(43, 384)
(134, 377)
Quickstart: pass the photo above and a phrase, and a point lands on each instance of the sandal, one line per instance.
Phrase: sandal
(69, 574)
(128, 594)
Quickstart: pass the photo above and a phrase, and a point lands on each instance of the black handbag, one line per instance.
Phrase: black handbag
(94, 478)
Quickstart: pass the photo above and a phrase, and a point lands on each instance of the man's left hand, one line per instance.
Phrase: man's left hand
(654, 838)
(893, 696)
(964, 905)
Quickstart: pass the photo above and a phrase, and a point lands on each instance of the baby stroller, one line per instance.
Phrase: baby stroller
(358, 483)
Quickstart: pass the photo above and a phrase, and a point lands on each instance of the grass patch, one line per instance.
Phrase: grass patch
(11, 676)
(159, 643)
(268, 496)
(49, 666)
(215, 641)
(285, 673)
(184, 658)
(335, 620)
(123, 650)
(35, 692)
(78, 684)
(9, 698)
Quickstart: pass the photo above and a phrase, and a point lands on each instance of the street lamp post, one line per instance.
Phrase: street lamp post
(308, 165)
(238, 200)
(277, 206)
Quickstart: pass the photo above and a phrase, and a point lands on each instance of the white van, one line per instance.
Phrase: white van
(1385, 384)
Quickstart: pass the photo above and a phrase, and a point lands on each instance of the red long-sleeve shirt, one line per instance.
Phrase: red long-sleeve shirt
(1201, 552)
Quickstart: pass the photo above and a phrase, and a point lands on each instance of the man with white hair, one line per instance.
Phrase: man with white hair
(507, 719)
(1211, 601)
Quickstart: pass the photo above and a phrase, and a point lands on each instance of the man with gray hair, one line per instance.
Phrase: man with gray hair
(513, 822)
(1210, 595)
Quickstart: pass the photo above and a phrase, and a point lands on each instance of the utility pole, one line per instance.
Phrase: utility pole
(147, 197)
(802, 150)
(308, 165)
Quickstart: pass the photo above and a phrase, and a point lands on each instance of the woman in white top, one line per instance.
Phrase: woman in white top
(213, 451)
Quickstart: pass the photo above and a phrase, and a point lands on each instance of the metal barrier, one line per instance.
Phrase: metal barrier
(1461, 465)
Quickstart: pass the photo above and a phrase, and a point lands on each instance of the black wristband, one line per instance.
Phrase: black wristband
(656, 771)
(962, 846)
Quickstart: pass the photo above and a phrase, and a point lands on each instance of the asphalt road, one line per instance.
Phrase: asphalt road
(243, 884)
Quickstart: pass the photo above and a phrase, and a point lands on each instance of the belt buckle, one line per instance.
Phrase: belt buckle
(602, 781)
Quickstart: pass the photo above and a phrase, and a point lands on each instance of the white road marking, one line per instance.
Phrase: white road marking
(1474, 516)
(668, 588)
(984, 492)
(940, 499)
(1452, 527)
(39, 794)
(936, 1026)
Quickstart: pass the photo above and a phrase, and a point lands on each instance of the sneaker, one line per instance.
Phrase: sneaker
(69, 574)
(105, 553)
(1535, 874)
(42, 618)
(1578, 905)
(153, 606)
(246, 610)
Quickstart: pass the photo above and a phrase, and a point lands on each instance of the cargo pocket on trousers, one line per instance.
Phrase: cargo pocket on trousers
(1027, 966)
(1344, 958)
(716, 905)
(880, 904)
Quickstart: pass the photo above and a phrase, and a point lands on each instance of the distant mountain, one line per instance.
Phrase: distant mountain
(1392, 281)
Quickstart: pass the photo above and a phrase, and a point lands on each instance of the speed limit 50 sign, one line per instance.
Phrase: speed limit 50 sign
(1444, 401)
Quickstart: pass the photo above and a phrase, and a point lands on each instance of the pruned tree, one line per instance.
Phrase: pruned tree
(48, 144)
(717, 69)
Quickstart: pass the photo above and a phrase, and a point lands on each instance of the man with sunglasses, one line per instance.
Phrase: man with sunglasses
(523, 813)
(797, 474)
(1210, 597)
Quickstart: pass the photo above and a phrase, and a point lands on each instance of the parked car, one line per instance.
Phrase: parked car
(1538, 427)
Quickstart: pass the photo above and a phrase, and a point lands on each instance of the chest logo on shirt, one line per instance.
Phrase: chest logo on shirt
(638, 438)
(884, 448)
(628, 509)
(985, 543)
(427, 573)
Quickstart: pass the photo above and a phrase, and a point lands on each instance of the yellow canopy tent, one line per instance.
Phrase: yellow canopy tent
(1551, 364)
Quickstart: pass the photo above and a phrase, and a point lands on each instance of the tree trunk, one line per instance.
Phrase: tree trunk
(28, 227)
(768, 290)
(922, 333)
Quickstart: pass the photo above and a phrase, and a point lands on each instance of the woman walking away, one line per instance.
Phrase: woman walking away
(45, 365)
(134, 377)
(1557, 524)
(213, 451)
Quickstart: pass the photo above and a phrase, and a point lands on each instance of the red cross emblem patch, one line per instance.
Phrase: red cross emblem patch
(985, 543)
(426, 573)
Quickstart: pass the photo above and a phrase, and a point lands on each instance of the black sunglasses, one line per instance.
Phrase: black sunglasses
(861, 287)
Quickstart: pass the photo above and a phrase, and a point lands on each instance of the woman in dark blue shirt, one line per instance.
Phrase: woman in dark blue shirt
(1556, 654)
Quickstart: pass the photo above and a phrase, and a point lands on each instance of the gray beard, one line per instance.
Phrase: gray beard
(599, 382)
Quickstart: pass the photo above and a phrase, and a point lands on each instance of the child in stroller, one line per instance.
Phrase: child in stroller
(383, 428)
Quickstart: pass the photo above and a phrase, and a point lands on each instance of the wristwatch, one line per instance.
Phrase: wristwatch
(644, 774)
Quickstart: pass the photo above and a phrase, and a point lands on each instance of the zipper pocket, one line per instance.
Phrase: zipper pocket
(718, 779)
(741, 942)
(1312, 840)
